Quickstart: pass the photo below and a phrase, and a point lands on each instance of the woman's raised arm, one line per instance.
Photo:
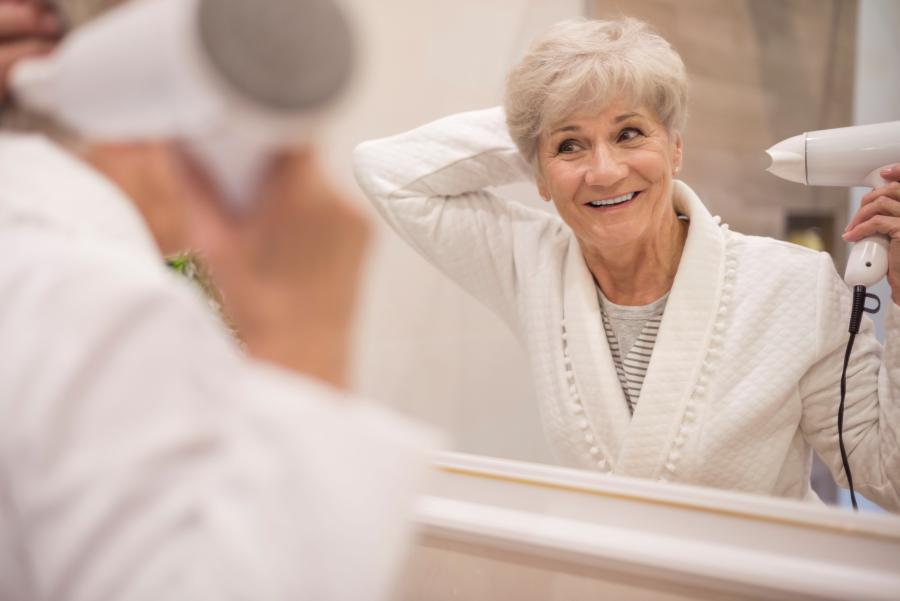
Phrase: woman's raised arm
(431, 185)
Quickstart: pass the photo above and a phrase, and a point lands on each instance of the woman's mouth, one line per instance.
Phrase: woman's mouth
(613, 202)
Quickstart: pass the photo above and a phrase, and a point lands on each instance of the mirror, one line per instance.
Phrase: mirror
(759, 72)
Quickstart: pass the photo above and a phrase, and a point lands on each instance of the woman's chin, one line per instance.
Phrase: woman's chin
(621, 235)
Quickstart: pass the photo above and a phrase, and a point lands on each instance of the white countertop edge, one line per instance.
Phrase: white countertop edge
(691, 562)
(747, 506)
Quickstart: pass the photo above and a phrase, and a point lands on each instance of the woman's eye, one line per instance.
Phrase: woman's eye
(629, 133)
(567, 146)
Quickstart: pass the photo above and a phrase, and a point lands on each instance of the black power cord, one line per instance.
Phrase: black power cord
(859, 306)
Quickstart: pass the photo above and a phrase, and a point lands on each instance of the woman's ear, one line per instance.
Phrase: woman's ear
(542, 188)
(677, 154)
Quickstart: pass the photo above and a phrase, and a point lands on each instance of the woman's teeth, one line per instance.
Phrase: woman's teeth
(612, 201)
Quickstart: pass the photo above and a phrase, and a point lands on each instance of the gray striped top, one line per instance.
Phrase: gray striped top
(631, 332)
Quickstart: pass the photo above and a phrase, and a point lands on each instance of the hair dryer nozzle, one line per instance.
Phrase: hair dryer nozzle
(789, 159)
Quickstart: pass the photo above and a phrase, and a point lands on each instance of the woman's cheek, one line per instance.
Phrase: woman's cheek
(565, 179)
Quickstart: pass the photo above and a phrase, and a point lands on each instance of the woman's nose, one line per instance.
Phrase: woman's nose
(605, 168)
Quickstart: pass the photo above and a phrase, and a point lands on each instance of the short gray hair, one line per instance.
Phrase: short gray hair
(582, 65)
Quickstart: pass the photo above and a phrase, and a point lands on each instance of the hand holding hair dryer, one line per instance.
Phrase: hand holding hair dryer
(234, 80)
(846, 156)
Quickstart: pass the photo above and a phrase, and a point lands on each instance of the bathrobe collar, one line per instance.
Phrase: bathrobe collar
(639, 445)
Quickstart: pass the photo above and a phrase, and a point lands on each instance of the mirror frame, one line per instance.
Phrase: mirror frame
(662, 535)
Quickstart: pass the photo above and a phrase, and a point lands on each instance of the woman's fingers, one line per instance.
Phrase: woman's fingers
(891, 190)
(880, 205)
(27, 19)
(891, 173)
(879, 224)
(879, 209)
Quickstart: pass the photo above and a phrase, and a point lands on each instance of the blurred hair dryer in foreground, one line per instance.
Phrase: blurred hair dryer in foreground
(846, 156)
(234, 80)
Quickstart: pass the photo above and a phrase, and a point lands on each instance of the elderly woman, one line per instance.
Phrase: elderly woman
(662, 344)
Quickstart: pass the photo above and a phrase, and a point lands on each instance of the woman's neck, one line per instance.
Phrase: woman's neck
(639, 271)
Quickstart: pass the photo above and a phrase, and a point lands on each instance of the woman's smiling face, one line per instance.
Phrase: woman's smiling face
(610, 175)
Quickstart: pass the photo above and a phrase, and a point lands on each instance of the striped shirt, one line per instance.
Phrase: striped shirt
(631, 332)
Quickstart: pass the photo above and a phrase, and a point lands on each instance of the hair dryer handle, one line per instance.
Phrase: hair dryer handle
(868, 261)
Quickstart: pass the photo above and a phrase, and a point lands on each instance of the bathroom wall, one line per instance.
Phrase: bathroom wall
(424, 346)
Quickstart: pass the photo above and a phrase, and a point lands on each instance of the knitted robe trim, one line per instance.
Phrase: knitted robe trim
(641, 445)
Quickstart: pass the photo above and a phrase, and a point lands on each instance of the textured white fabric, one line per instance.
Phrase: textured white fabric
(142, 457)
(744, 377)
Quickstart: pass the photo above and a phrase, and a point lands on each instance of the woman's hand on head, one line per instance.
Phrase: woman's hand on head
(27, 28)
(879, 213)
(289, 268)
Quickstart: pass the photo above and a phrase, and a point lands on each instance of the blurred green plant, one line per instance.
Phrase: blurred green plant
(191, 266)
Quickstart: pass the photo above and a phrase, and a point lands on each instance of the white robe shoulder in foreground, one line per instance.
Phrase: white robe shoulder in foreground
(744, 377)
(142, 457)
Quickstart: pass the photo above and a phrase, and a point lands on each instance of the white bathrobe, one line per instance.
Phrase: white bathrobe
(142, 457)
(744, 376)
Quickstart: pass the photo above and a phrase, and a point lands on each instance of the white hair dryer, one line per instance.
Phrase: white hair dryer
(233, 79)
(846, 156)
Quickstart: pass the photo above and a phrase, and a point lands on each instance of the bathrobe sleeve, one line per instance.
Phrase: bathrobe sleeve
(143, 457)
(432, 186)
(872, 405)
